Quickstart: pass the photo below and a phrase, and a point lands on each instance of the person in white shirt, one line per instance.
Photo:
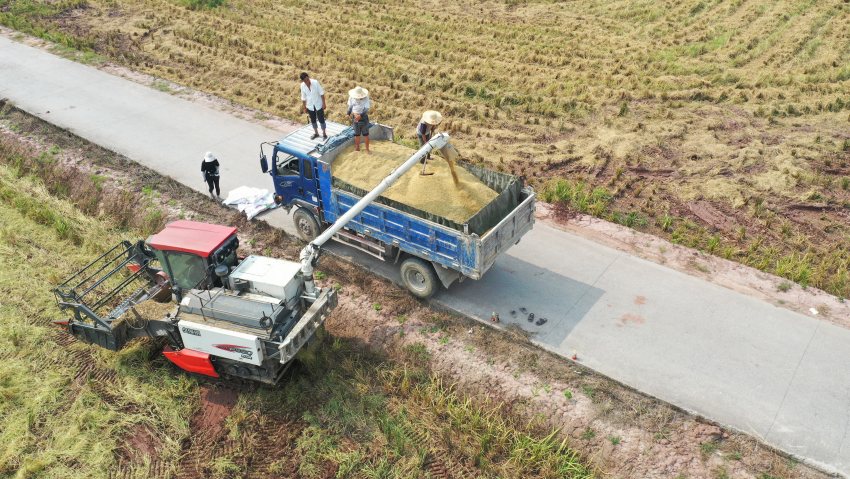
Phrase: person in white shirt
(358, 109)
(313, 102)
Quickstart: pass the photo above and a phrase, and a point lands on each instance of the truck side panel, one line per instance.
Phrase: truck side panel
(413, 235)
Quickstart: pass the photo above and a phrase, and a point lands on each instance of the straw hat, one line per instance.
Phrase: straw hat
(209, 156)
(358, 93)
(432, 117)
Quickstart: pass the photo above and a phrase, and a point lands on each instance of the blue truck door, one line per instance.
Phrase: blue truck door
(309, 185)
(287, 178)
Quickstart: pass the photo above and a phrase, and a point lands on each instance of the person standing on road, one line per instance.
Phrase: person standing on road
(313, 103)
(209, 169)
(427, 126)
(358, 109)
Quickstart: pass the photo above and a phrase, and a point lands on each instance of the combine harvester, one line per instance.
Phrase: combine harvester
(235, 318)
(427, 247)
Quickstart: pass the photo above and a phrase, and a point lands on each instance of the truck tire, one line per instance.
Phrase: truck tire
(305, 224)
(419, 278)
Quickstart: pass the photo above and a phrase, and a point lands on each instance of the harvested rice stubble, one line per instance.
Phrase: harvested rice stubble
(439, 194)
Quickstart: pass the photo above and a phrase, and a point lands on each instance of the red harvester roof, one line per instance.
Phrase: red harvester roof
(191, 237)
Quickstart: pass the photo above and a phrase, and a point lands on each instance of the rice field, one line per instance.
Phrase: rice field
(722, 125)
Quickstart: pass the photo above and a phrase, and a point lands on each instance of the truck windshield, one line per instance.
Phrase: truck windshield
(286, 165)
(187, 270)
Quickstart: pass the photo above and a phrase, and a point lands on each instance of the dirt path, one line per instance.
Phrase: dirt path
(623, 432)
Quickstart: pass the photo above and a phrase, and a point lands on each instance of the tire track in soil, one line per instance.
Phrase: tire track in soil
(102, 381)
(254, 454)
(209, 439)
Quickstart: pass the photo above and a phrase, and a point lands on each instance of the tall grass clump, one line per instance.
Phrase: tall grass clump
(202, 4)
(578, 195)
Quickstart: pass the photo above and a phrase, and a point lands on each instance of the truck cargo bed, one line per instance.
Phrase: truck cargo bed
(470, 248)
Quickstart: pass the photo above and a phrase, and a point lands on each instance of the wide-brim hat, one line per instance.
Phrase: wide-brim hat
(358, 93)
(432, 117)
(208, 156)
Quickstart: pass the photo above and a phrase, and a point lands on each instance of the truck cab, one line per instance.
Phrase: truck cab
(294, 178)
(190, 252)
(293, 167)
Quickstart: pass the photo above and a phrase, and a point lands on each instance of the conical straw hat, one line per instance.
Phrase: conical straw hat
(358, 93)
(432, 117)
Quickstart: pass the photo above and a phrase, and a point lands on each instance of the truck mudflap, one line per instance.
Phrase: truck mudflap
(306, 327)
(191, 360)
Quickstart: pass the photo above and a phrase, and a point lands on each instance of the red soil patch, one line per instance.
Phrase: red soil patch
(139, 443)
(216, 404)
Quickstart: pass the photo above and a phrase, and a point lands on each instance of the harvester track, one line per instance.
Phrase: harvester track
(103, 381)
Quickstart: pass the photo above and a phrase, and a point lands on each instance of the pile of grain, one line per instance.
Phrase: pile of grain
(437, 194)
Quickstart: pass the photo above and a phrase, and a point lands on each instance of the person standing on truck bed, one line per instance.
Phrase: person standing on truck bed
(209, 169)
(427, 126)
(313, 101)
(358, 109)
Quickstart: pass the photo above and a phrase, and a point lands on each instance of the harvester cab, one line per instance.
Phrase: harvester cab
(195, 255)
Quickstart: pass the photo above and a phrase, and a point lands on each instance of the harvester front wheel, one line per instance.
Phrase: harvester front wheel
(419, 277)
(305, 224)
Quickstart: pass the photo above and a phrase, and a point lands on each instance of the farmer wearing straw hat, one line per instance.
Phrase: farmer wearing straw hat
(427, 126)
(358, 109)
(209, 170)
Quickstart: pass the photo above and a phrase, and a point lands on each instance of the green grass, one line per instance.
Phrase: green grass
(578, 195)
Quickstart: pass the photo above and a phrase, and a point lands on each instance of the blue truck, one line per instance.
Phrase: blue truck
(430, 250)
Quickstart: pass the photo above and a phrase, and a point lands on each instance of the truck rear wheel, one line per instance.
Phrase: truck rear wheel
(419, 278)
(305, 224)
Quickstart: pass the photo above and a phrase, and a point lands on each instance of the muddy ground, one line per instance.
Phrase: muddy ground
(624, 433)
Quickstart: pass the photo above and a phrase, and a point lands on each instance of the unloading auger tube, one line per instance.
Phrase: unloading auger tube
(310, 254)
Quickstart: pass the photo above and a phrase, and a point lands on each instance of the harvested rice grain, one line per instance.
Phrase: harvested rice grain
(439, 194)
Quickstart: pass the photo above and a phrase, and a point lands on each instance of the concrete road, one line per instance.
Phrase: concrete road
(780, 376)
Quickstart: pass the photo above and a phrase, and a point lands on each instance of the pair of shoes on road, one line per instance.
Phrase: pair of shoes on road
(540, 321)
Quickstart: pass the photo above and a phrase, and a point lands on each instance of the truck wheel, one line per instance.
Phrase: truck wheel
(305, 224)
(418, 277)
